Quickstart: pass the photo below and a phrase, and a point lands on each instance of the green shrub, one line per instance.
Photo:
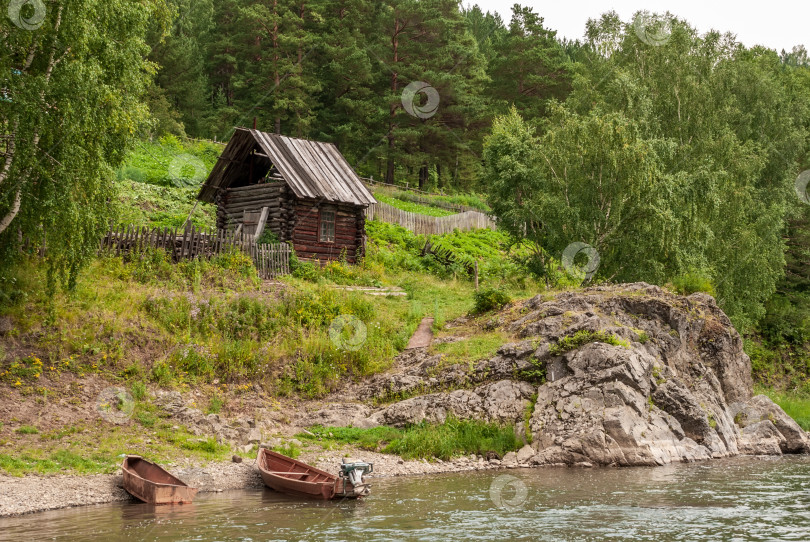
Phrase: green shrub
(583, 337)
(194, 362)
(536, 374)
(303, 270)
(268, 237)
(162, 373)
(138, 390)
(490, 299)
(693, 280)
(215, 405)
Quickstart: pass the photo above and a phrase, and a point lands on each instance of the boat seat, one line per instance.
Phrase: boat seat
(303, 475)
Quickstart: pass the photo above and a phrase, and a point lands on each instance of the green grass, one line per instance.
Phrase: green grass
(289, 449)
(138, 390)
(215, 405)
(170, 162)
(143, 204)
(59, 434)
(423, 441)
(471, 349)
(207, 446)
(795, 404)
(373, 439)
(475, 201)
(27, 430)
(61, 460)
(412, 207)
(96, 448)
(583, 337)
(453, 438)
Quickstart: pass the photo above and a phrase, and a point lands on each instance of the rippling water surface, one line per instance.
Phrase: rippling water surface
(741, 499)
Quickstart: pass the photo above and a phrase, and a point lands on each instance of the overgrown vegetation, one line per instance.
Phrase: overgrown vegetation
(205, 320)
(412, 207)
(170, 162)
(583, 337)
(424, 441)
(98, 448)
(795, 404)
(141, 204)
(490, 299)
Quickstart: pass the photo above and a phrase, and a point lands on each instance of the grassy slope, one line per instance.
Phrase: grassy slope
(151, 205)
(476, 201)
(411, 206)
(215, 328)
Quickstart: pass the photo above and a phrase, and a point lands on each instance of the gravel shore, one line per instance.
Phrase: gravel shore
(33, 493)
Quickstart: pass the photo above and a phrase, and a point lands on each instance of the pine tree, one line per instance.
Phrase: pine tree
(529, 66)
(182, 78)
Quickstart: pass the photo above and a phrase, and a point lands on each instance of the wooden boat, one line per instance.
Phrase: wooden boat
(293, 477)
(152, 484)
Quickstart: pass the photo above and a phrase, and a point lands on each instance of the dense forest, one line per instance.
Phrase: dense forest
(674, 153)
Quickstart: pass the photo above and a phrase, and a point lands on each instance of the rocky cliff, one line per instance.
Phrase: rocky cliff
(619, 375)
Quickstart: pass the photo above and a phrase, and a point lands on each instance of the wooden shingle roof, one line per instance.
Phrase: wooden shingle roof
(313, 170)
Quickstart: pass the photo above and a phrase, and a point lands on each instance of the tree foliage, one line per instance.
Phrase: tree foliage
(667, 159)
(72, 99)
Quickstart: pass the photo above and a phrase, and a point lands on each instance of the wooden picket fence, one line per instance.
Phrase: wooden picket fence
(271, 260)
(429, 225)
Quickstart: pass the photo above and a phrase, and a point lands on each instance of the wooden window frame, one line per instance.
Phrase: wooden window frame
(322, 223)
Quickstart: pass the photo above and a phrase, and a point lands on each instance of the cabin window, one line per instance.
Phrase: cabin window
(327, 226)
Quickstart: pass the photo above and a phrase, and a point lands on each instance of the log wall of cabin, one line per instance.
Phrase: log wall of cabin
(277, 197)
(349, 232)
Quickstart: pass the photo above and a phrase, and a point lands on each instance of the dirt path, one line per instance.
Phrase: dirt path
(423, 335)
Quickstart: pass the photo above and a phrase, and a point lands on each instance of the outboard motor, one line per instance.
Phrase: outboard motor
(352, 472)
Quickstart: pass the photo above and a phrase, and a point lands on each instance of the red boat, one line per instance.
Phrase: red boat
(293, 477)
(152, 484)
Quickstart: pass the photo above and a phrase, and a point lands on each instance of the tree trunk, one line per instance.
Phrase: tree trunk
(6, 221)
(392, 109)
(423, 176)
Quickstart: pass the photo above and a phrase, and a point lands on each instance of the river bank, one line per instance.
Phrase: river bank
(33, 493)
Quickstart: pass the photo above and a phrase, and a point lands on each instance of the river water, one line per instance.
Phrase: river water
(739, 499)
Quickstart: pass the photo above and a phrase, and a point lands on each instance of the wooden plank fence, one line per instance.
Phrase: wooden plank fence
(271, 260)
(429, 225)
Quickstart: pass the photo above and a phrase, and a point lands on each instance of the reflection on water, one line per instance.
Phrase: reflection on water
(741, 499)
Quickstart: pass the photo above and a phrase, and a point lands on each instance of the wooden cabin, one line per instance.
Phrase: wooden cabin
(303, 191)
